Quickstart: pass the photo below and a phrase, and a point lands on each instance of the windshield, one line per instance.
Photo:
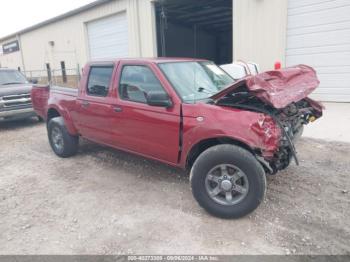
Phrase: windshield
(196, 80)
(10, 77)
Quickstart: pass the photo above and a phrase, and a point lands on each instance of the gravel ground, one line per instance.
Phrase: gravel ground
(104, 201)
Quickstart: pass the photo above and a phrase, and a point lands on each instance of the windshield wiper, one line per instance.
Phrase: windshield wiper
(225, 87)
(11, 83)
(204, 90)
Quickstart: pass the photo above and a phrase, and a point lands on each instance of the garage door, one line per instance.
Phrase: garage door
(108, 37)
(319, 35)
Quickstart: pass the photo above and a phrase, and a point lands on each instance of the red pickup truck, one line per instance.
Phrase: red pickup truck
(190, 114)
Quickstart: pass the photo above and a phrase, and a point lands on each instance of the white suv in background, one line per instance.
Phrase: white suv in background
(238, 70)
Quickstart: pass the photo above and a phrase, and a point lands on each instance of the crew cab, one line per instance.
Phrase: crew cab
(15, 100)
(188, 113)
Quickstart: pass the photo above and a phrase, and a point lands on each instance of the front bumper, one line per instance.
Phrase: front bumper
(16, 106)
(17, 113)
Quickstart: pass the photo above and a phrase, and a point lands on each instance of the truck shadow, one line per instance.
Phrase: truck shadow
(18, 124)
(128, 162)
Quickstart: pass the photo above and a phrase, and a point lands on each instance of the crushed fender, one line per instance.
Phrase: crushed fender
(281, 95)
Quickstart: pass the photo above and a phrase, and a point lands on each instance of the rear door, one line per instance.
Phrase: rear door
(148, 130)
(94, 112)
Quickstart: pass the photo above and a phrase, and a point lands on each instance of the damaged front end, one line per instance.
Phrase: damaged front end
(281, 98)
(291, 121)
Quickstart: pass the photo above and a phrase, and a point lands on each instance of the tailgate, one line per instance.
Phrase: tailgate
(40, 95)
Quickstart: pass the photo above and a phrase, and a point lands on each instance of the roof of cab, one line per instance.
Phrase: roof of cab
(155, 60)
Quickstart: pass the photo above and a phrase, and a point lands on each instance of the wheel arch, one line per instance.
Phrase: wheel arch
(55, 112)
(51, 113)
(204, 144)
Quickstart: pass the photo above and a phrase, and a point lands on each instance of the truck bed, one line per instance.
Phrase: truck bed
(42, 94)
(64, 90)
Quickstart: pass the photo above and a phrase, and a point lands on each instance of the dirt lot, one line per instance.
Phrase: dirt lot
(108, 202)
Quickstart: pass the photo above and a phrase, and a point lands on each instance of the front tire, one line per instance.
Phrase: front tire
(61, 142)
(228, 181)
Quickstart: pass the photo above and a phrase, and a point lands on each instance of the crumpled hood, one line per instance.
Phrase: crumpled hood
(278, 88)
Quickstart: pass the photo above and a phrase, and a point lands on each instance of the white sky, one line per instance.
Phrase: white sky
(19, 14)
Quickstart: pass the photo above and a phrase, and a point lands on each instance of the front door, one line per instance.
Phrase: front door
(148, 130)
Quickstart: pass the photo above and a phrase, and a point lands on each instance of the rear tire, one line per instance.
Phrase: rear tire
(61, 142)
(228, 181)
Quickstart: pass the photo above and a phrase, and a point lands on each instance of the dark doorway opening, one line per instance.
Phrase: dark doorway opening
(195, 28)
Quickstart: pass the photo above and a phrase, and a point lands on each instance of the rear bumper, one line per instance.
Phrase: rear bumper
(17, 113)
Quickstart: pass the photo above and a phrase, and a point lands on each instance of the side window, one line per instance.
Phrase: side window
(136, 82)
(99, 79)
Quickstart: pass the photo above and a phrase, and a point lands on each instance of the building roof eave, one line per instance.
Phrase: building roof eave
(56, 18)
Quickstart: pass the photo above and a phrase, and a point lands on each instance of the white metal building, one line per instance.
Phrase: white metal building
(313, 32)
(318, 34)
(102, 28)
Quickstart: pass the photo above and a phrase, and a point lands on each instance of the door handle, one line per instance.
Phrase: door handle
(85, 103)
(117, 109)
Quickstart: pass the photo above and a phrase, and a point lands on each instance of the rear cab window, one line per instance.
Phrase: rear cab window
(99, 80)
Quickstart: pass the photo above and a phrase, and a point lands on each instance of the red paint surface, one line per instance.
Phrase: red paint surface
(154, 131)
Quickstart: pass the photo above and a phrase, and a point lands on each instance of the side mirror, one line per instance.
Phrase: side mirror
(33, 81)
(158, 98)
(133, 93)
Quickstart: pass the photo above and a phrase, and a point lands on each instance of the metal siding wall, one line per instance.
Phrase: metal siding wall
(148, 31)
(71, 41)
(319, 35)
(259, 32)
(70, 36)
(141, 28)
(108, 37)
